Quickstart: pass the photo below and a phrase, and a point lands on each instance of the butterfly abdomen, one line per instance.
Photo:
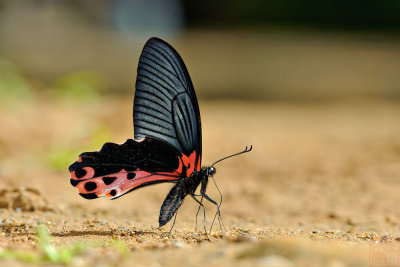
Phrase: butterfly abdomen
(174, 199)
(172, 203)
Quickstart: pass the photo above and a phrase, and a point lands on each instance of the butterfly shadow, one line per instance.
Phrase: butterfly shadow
(84, 233)
(77, 233)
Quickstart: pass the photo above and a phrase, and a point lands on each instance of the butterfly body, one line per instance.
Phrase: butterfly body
(184, 187)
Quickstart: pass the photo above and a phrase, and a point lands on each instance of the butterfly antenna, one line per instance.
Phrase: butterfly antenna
(242, 152)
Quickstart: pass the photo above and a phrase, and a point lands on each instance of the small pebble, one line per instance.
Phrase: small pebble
(179, 244)
(275, 260)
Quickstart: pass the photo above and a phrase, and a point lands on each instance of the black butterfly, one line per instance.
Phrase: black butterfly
(167, 145)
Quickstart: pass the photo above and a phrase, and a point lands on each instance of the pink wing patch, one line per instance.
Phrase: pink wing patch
(117, 184)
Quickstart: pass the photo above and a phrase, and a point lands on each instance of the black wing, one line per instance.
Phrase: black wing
(165, 105)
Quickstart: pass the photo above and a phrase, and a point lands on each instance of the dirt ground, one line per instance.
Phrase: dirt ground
(320, 188)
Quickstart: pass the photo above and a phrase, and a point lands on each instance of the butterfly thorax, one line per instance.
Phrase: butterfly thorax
(191, 183)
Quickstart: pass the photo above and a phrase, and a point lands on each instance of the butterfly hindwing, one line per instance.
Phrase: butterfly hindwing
(117, 169)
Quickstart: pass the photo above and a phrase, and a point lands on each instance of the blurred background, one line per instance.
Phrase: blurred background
(312, 85)
(264, 50)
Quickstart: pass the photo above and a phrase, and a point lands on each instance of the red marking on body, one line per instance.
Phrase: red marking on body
(89, 174)
(80, 159)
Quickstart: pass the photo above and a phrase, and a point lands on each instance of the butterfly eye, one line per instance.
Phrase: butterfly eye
(211, 171)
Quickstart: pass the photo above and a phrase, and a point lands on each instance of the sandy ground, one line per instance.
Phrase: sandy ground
(320, 188)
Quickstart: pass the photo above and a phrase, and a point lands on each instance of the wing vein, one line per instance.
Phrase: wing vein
(152, 101)
(150, 69)
(170, 60)
(152, 123)
(156, 131)
(141, 78)
(153, 95)
(152, 109)
(148, 56)
(155, 117)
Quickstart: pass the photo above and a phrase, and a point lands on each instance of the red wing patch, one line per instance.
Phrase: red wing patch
(116, 169)
(117, 184)
(187, 164)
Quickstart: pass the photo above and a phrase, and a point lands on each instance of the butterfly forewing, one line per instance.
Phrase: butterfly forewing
(165, 105)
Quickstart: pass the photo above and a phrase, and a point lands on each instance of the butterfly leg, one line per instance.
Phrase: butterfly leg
(198, 210)
(218, 212)
(204, 212)
(220, 203)
(173, 224)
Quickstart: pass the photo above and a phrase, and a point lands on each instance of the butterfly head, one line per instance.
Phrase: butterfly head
(211, 171)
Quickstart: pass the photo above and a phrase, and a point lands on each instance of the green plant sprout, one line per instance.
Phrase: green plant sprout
(61, 157)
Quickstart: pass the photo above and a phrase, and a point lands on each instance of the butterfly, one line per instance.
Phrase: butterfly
(167, 144)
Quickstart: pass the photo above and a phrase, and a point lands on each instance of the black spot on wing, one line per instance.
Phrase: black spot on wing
(74, 182)
(90, 186)
(109, 180)
(131, 175)
(113, 192)
(79, 173)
